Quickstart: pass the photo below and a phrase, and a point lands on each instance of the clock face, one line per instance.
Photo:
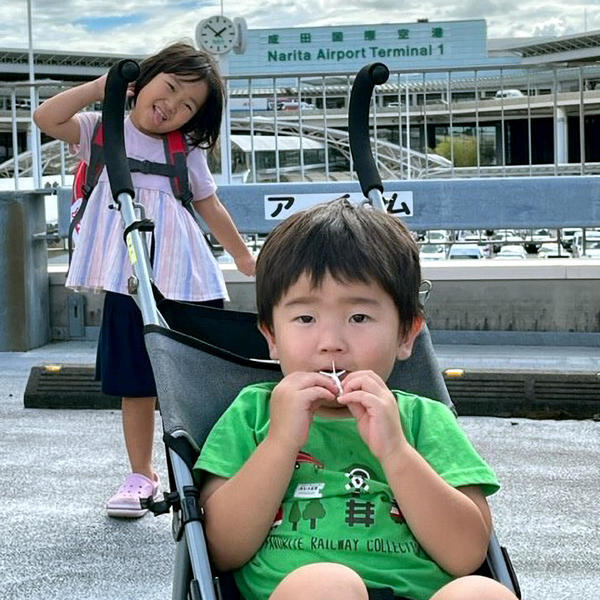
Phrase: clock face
(216, 34)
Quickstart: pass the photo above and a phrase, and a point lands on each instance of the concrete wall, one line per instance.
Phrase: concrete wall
(23, 272)
(532, 301)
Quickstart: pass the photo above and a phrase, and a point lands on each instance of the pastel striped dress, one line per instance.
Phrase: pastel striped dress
(184, 267)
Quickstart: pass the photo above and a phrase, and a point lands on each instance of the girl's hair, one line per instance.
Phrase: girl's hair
(350, 243)
(183, 60)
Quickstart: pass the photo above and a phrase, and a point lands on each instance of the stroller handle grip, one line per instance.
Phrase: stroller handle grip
(119, 77)
(358, 125)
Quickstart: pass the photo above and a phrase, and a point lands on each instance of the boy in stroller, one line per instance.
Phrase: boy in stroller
(328, 484)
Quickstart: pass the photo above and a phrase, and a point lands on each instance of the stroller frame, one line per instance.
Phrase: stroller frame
(185, 341)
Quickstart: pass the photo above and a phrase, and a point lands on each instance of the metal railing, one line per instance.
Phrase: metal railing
(476, 121)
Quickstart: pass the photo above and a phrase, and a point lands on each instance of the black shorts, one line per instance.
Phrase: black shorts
(122, 363)
(384, 594)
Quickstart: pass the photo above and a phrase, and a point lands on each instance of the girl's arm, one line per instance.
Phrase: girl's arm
(56, 116)
(223, 228)
(240, 511)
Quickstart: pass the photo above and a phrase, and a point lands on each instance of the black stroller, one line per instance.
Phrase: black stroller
(202, 356)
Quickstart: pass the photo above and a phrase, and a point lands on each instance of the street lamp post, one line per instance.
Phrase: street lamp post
(35, 134)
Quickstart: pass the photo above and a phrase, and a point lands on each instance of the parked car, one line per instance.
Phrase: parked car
(465, 251)
(592, 250)
(509, 94)
(505, 236)
(551, 250)
(432, 252)
(437, 235)
(295, 105)
(567, 235)
(591, 237)
(512, 252)
(535, 238)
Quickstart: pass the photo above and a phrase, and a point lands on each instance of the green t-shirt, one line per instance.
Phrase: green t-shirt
(338, 506)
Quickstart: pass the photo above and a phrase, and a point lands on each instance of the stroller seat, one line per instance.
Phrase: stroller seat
(200, 364)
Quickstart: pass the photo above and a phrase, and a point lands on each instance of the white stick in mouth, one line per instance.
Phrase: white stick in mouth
(335, 375)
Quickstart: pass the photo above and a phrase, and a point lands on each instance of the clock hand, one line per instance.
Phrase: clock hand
(209, 27)
(218, 33)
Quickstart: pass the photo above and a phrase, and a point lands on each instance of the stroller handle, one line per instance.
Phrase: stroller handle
(119, 77)
(358, 125)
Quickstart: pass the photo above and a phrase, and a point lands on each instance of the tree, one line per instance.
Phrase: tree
(464, 150)
(314, 510)
(295, 516)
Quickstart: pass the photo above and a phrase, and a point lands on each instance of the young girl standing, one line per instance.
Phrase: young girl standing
(178, 88)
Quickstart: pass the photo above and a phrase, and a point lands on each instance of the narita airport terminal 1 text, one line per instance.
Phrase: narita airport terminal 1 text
(366, 53)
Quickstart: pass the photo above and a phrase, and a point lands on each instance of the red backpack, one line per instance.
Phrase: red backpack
(87, 175)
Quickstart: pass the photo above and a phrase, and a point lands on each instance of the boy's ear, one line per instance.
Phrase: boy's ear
(405, 344)
(270, 337)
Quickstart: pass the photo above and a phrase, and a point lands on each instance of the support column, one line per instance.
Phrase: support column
(561, 138)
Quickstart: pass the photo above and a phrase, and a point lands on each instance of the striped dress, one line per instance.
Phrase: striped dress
(184, 267)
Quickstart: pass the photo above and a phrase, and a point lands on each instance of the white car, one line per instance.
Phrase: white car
(437, 235)
(551, 250)
(432, 252)
(591, 237)
(509, 94)
(592, 250)
(466, 251)
(512, 252)
(295, 105)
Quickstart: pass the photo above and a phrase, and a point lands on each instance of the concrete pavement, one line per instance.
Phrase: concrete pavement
(57, 468)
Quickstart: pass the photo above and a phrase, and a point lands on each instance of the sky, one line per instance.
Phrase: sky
(143, 27)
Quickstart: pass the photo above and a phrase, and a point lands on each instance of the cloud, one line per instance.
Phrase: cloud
(142, 27)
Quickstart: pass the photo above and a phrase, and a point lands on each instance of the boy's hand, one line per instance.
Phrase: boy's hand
(374, 407)
(293, 401)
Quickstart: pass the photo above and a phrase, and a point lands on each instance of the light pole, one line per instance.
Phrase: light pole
(35, 134)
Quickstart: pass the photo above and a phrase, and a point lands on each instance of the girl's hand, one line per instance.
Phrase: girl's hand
(293, 402)
(374, 407)
(246, 264)
(100, 85)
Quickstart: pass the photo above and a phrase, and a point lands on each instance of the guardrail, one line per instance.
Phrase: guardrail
(426, 124)
(488, 203)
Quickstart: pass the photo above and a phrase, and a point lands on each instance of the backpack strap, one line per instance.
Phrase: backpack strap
(91, 171)
(176, 151)
(96, 163)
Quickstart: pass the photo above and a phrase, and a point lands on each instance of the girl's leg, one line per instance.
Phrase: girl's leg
(321, 581)
(474, 587)
(138, 430)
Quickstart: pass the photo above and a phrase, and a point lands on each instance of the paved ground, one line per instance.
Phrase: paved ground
(57, 467)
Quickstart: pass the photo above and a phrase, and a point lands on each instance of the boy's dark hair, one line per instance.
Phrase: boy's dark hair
(349, 242)
(183, 60)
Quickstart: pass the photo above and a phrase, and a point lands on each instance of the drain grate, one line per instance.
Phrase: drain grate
(532, 394)
(66, 386)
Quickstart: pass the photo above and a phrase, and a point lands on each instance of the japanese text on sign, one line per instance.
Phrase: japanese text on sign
(281, 206)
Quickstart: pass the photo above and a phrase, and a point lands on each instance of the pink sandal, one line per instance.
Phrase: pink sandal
(126, 502)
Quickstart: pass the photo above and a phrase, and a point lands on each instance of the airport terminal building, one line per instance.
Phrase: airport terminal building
(456, 103)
